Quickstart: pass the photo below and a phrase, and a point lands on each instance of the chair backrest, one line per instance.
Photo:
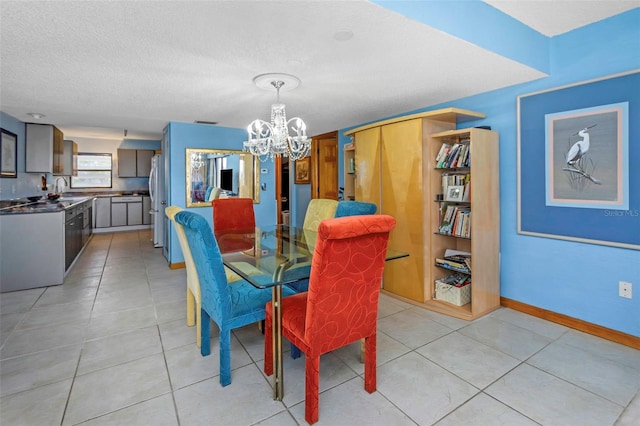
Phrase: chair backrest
(346, 274)
(192, 274)
(318, 210)
(214, 194)
(233, 214)
(214, 289)
(355, 208)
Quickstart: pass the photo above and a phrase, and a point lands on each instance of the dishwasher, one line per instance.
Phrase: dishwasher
(72, 234)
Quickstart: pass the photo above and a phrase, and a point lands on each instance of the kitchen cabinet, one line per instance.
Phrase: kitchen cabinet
(118, 214)
(102, 212)
(39, 247)
(32, 247)
(126, 211)
(44, 149)
(134, 162)
(70, 159)
(134, 213)
(143, 162)
(146, 210)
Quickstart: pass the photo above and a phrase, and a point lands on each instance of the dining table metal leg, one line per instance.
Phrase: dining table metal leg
(278, 388)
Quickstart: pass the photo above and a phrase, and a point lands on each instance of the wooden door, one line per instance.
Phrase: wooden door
(402, 198)
(367, 158)
(324, 168)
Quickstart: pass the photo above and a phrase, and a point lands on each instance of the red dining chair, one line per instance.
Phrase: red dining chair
(341, 306)
(233, 214)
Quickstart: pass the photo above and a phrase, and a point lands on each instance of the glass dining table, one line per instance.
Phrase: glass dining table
(277, 255)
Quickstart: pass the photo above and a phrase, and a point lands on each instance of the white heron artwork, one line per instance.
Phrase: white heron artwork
(576, 157)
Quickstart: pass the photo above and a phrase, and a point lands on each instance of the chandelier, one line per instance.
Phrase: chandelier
(267, 140)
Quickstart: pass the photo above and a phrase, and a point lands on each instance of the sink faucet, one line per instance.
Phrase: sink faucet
(56, 188)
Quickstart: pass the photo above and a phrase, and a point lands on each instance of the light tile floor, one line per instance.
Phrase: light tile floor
(111, 346)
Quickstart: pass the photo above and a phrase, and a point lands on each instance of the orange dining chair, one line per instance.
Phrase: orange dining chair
(341, 306)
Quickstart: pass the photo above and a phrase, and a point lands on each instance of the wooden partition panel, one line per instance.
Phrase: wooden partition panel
(401, 172)
(368, 166)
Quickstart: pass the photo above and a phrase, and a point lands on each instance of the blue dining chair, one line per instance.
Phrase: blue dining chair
(230, 306)
(355, 208)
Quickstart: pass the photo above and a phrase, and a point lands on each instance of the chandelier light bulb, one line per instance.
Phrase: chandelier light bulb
(271, 139)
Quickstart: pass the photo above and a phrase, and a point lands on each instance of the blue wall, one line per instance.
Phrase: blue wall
(575, 279)
(186, 135)
(26, 184)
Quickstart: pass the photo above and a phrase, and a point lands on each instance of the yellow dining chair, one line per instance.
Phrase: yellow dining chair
(318, 210)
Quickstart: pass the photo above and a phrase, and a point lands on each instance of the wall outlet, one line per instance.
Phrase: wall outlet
(624, 289)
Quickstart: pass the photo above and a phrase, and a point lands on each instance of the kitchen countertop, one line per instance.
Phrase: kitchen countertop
(24, 206)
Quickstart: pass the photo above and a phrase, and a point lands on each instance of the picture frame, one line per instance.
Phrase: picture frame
(303, 170)
(573, 177)
(8, 154)
(454, 193)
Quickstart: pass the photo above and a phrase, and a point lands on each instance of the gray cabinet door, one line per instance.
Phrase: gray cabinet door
(118, 214)
(39, 148)
(127, 163)
(134, 214)
(146, 208)
(102, 213)
(143, 161)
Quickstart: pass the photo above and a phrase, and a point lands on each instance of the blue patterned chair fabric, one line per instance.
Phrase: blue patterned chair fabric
(229, 306)
(355, 208)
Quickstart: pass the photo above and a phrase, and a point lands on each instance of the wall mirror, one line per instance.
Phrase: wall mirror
(220, 173)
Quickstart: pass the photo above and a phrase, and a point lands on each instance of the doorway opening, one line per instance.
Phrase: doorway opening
(282, 190)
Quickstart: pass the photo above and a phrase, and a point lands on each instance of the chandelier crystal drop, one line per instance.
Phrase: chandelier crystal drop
(268, 140)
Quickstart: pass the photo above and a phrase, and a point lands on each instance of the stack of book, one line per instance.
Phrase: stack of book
(456, 221)
(452, 156)
(456, 260)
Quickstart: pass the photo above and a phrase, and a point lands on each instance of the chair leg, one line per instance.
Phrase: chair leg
(199, 325)
(370, 364)
(191, 301)
(268, 345)
(312, 373)
(295, 351)
(205, 333)
(225, 357)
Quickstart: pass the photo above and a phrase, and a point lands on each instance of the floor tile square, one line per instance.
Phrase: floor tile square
(111, 389)
(547, 399)
(413, 383)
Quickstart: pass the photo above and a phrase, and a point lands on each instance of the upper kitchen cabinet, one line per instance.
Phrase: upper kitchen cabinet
(44, 149)
(134, 162)
(70, 159)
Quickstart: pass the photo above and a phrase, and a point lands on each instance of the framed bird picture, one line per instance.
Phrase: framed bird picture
(585, 165)
(574, 179)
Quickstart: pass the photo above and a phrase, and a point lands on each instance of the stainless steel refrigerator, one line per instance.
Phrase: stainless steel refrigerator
(156, 192)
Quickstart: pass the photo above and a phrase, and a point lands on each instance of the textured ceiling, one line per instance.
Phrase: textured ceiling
(97, 68)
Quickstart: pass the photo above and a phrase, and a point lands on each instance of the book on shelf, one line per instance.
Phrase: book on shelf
(456, 279)
(454, 266)
(454, 156)
(455, 179)
(444, 149)
(455, 221)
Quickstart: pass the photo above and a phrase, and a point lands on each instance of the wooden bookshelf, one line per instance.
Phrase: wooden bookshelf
(349, 172)
(483, 237)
